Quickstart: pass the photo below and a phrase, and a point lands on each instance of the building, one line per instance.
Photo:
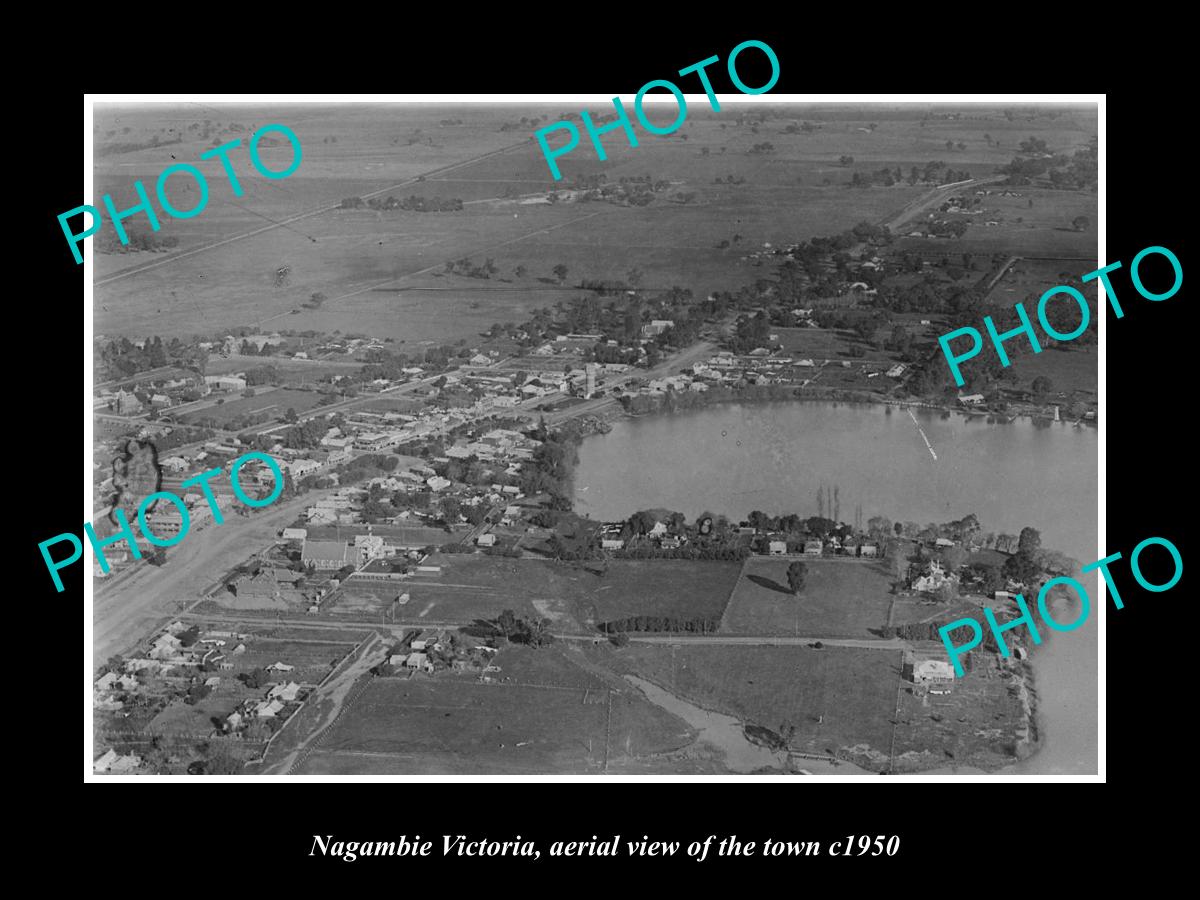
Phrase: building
(225, 382)
(611, 543)
(416, 661)
(280, 667)
(113, 763)
(268, 709)
(932, 670)
(294, 534)
(812, 548)
(486, 540)
(657, 327)
(125, 404)
(591, 371)
(285, 692)
(325, 555)
(971, 399)
(868, 550)
(777, 548)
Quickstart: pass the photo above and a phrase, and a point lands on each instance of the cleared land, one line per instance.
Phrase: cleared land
(272, 403)
(574, 599)
(840, 599)
(840, 700)
(443, 726)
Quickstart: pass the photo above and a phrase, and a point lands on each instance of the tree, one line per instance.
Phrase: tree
(1030, 541)
(797, 575)
(560, 272)
(1041, 387)
(290, 416)
(520, 271)
(1080, 222)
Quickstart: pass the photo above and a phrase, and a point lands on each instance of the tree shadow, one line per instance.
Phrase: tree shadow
(769, 584)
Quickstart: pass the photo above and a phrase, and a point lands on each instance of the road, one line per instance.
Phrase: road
(769, 641)
(125, 611)
(937, 195)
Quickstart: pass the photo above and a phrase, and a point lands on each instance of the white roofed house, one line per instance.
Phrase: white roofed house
(285, 692)
(280, 667)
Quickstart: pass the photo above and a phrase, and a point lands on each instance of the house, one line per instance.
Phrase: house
(165, 646)
(324, 554)
(812, 548)
(931, 581)
(486, 540)
(285, 692)
(480, 360)
(868, 550)
(125, 404)
(438, 483)
(416, 660)
(294, 534)
(113, 763)
(225, 382)
(268, 709)
(280, 667)
(127, 682)
(233, 721)
(611, 544)
(943, 542)
(927, 670)
(971, 399)
(896, 371)
(212, 682)
(777, 548)
(107, 682)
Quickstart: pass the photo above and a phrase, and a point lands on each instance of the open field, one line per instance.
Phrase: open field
(837, 698)
(274, 403)
(1069, 367)
(441, 726)
(825, 343)
(841, 599)
(792, 193)
(479, 587)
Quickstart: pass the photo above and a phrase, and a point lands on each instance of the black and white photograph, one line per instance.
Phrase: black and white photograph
(682, 436)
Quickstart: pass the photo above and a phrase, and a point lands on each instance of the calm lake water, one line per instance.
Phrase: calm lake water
(730, 459)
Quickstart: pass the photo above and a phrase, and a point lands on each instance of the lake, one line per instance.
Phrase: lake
(733, 458)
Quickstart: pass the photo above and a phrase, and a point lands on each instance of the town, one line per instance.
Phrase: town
(443, 584)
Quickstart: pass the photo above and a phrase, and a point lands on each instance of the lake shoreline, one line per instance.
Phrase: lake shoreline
(655, 459)
(674, 402)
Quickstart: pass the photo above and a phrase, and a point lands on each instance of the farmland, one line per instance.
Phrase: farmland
(794, 192)
(840, 599)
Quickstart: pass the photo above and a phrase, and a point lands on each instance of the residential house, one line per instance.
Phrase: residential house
(285, 692)
(777, 548)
